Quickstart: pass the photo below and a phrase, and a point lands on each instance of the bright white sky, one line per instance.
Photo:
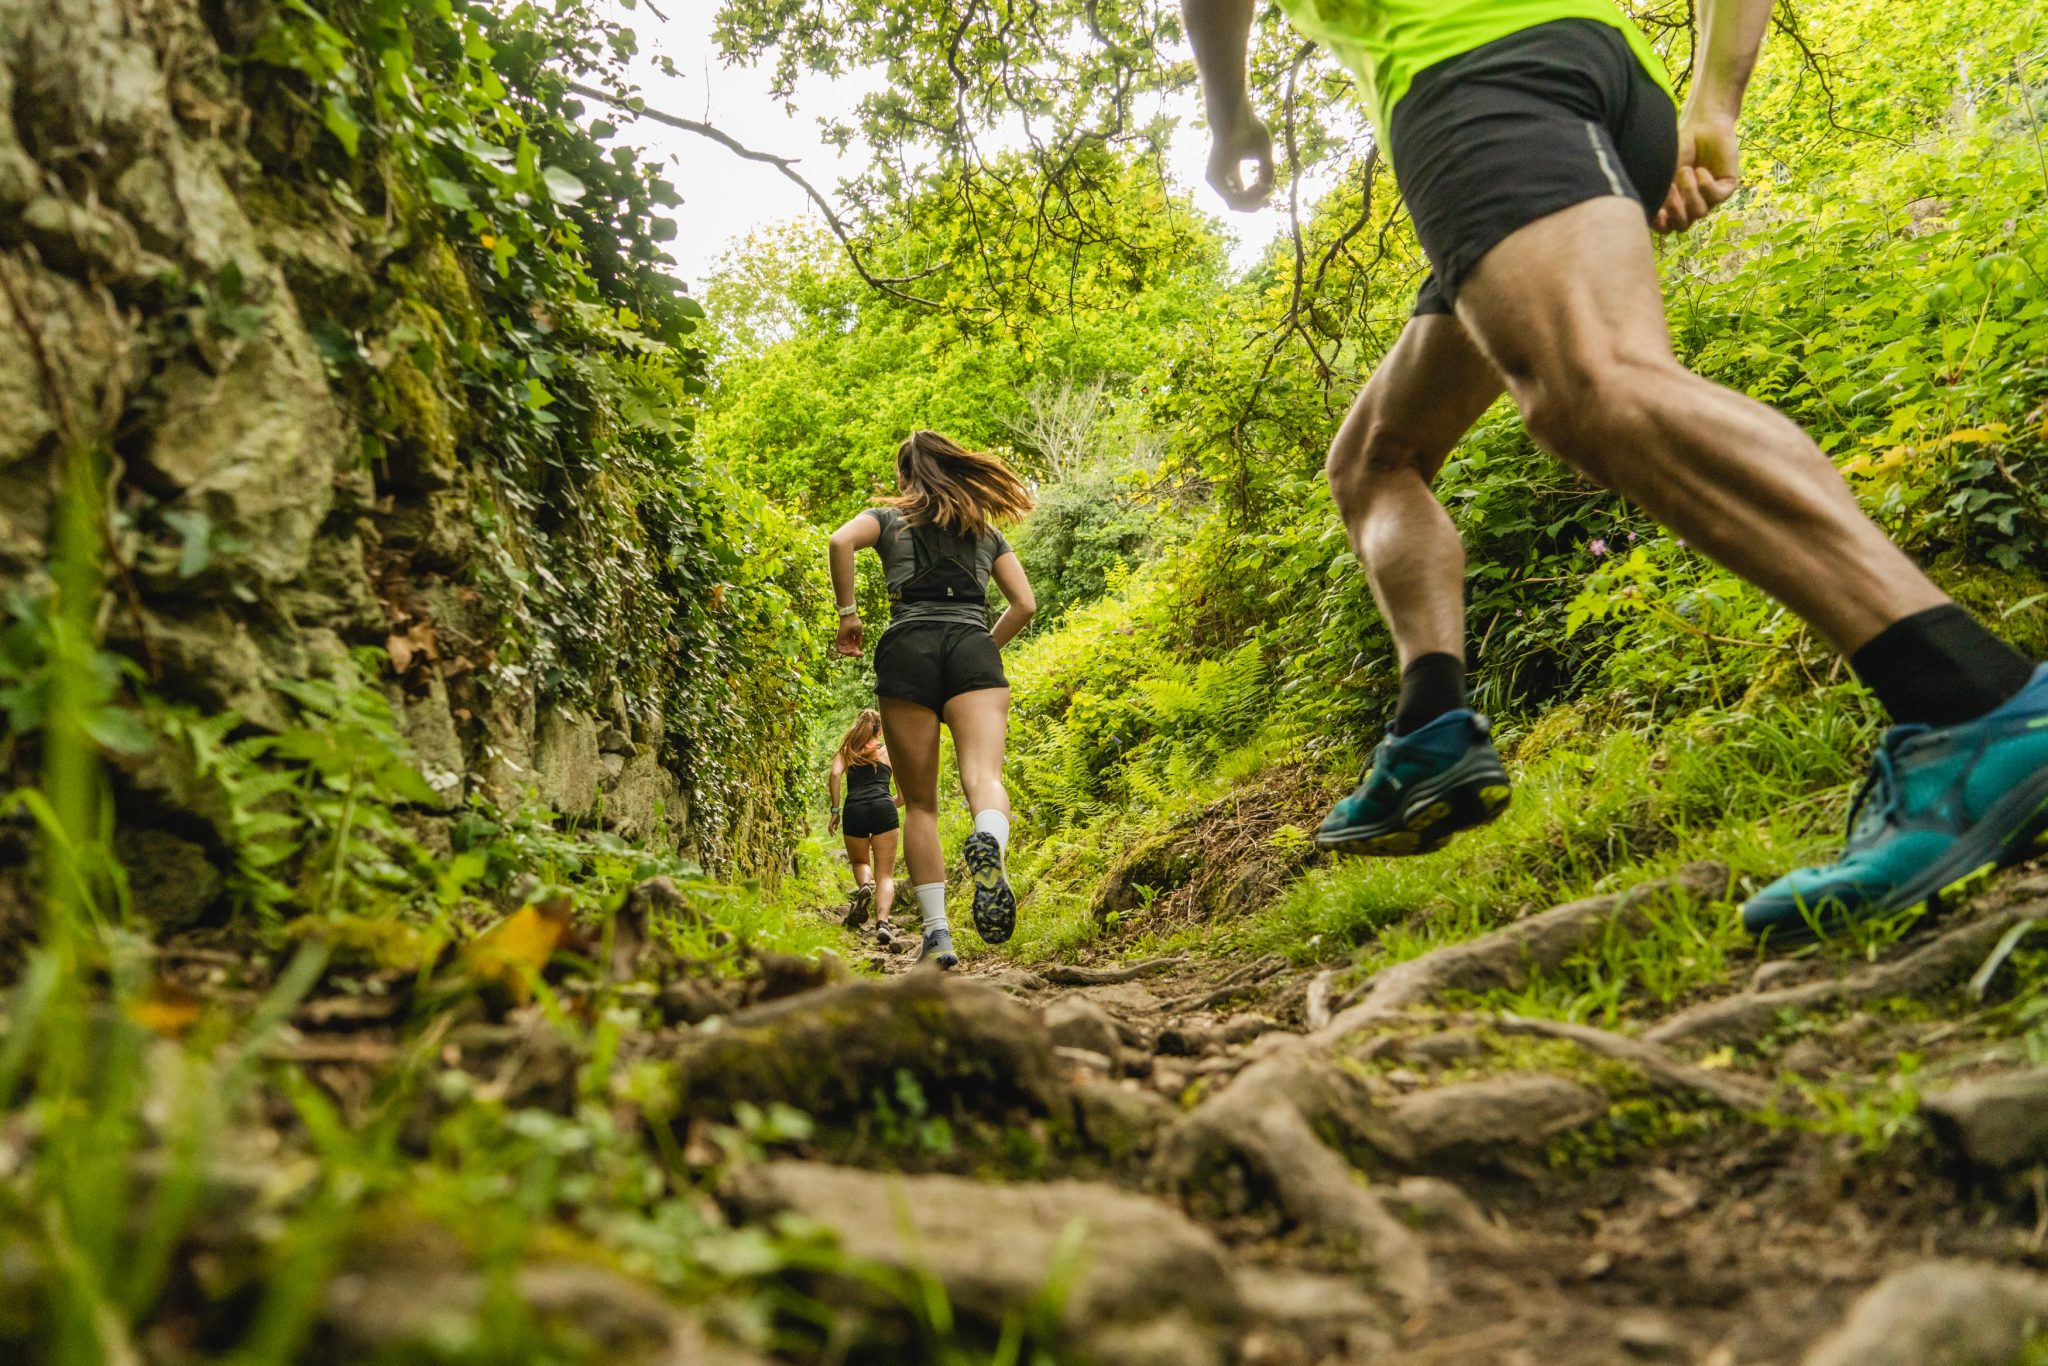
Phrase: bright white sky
(726, 197)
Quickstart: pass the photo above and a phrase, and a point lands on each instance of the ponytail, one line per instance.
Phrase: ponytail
(853, 746)
(946, 485)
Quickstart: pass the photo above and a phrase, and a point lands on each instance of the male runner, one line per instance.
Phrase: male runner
(1536, 143)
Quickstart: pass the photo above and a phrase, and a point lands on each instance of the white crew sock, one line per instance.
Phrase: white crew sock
(993, 822)
(931, 904)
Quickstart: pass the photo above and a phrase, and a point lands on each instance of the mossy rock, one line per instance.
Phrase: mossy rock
(1157, 864)
(971, 1051)
(1989, 592)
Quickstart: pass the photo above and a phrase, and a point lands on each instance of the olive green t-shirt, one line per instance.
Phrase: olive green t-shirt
(1386, 42)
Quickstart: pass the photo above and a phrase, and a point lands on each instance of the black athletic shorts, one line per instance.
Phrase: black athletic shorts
(1493, 139)
(932, 662)
(868, 817)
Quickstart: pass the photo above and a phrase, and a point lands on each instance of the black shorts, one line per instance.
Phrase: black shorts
(1491, 140)
(868, 817)
(932, 662)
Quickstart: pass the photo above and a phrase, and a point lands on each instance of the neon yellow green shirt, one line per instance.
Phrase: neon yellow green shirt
(1386, 42)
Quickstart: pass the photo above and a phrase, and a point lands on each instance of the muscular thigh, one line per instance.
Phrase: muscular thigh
(1427, 392)
(912, 734)
(1567, 300)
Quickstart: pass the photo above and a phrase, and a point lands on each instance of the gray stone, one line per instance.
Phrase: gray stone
(1121, 1119)
(1998, 1123)
(254, 449)
(1322, 1317)
(507, 772)
(209, 655)
(1941, 1313)
(565, 761)
(1649, 1336)
(1143, 1284)
(1515, 1110)
(1077, 1022)
(429, 728)
(644, 799)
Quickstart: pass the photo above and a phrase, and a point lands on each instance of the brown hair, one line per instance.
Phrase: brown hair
(963, 491)
(853, 746)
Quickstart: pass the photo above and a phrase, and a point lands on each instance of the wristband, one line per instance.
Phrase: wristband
(849, 611)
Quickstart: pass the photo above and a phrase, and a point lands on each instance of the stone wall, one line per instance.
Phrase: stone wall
(160, 267)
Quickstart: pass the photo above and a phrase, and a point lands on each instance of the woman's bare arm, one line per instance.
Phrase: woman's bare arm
(859, 532)
(1010, 577)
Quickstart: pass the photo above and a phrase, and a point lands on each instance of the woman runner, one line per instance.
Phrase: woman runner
(940, 661)
(868, 818)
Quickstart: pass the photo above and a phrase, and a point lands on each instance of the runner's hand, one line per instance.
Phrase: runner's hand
(1709, 170)
(1238, 140)
(848, 642)
(832, 825)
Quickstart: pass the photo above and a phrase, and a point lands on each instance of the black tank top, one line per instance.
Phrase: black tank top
(867, 783)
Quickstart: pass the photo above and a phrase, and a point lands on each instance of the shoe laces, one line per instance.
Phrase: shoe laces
(1876, 805)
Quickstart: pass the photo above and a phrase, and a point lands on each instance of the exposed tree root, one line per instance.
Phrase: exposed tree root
(1263, 1133)
(1511, 955)
(1233, 984)
(1060, 974)
(1939, 963)
(1662, 1067)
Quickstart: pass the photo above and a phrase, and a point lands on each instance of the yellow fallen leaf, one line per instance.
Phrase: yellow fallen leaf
(515, 949)
(168, 1010)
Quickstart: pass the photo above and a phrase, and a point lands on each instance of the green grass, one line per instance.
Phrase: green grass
(1760, 790)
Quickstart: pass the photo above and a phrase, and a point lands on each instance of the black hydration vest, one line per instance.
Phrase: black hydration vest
(942, 568)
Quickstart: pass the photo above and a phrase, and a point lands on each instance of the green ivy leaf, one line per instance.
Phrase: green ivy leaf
(448, 194)
(563, 188)
(119, 730)
(342, 122)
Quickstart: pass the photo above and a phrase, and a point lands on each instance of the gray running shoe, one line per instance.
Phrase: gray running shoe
(938, 948)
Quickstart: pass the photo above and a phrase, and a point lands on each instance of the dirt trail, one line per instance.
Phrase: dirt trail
(1387, 1176)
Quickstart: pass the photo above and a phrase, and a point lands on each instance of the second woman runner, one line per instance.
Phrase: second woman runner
(868, 819)
(941, 662)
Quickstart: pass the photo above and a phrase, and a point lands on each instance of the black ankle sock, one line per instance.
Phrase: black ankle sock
(1430, 686)
(1940, 667)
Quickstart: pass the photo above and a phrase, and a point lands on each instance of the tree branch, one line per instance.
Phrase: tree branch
(887, 284)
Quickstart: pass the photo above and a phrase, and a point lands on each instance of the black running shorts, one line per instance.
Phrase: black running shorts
(1493, 139)
(933, 662)
(868, 817)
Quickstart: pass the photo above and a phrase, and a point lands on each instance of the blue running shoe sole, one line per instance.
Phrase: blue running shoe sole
(1471, 793)
(995, 906)
(2013, 830)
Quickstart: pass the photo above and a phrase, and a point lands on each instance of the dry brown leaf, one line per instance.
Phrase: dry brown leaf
(400, 649)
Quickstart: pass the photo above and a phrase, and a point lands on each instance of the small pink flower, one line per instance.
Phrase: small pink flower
(1598, 545)
(1631, 538)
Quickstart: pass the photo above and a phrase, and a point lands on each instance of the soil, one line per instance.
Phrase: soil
(1745, 1239)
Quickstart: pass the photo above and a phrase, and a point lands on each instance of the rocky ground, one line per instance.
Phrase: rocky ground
(1186, 1161)
(1274, 1175)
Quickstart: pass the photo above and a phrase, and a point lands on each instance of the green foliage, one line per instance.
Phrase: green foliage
(820, 379)
(531, 346)
(1085, 533)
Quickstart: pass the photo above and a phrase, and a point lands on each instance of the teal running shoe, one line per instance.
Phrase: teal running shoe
(1940, 811)
(1421, 789)
(938, 949)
